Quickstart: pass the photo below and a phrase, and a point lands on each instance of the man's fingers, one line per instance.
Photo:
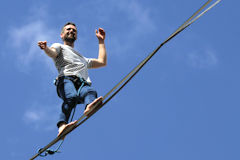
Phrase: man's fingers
(42, 44)
(100, 33)
(100, 30)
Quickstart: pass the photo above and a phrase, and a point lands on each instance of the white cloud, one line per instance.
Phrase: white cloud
(139, 15)
(132, 23)
(42, 117)
(140, 25)
(24, 42)
(203, 60)
(32, 116)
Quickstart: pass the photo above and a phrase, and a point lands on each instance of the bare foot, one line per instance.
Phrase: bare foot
(64, 126)
(91, 105)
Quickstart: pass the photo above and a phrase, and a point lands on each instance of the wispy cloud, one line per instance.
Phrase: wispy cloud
(140, 16)
(132, 22)
(42, 117)
(140, 24)
(24, 40)
(203, 60)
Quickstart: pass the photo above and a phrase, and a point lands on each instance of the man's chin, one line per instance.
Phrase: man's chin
(70, 40)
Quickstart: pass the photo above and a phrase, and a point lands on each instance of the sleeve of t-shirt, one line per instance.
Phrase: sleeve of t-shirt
(57, 46)
(89, 62)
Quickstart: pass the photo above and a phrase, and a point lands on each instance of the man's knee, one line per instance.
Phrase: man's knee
(69, 103)
(89, 90)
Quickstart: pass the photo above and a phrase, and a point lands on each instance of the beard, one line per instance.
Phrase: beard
(69, 38)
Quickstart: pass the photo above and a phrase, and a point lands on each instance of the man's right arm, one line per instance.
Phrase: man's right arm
(51, 52)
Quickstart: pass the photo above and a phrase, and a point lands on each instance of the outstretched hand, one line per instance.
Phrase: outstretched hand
(42, 44)
(100, 33)
(51, 52)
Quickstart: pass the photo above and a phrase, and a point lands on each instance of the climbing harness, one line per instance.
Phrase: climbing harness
(129, 76)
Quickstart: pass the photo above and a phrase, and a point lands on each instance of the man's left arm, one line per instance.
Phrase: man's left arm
(102, 54)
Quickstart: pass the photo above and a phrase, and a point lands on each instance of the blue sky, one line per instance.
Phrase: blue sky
(183, 105)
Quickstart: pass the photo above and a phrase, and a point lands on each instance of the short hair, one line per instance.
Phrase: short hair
(68, 23)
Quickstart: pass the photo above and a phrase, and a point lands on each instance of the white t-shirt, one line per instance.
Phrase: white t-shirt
(69, 62)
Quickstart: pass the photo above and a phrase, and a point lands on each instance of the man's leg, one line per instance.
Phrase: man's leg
(64, 116)
(68, 93)
(89, 95)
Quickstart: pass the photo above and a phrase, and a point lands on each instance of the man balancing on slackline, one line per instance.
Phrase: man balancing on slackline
(73, 83)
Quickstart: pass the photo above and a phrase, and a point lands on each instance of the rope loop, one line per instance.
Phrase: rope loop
(49, 151)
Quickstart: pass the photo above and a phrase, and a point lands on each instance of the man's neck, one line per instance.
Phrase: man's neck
(69, 44)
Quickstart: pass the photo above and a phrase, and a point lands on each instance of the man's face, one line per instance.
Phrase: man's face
(69, 33)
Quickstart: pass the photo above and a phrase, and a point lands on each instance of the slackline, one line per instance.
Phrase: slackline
(129, 76)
